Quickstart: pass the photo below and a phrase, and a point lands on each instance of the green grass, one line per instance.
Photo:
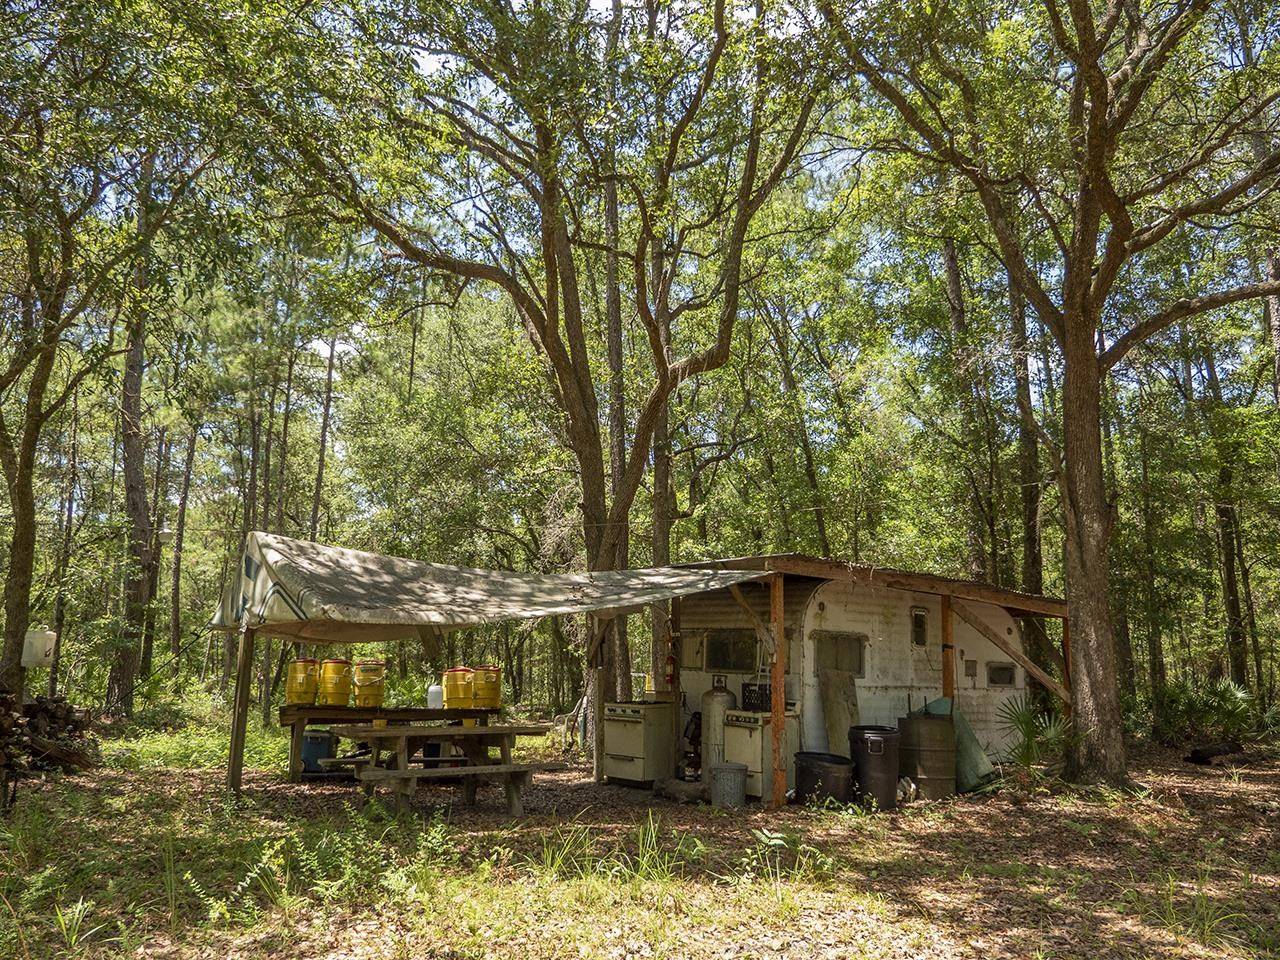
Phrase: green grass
(143, 853)
(202, 742)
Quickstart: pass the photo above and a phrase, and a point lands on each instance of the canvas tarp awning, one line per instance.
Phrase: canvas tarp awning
(310, 591)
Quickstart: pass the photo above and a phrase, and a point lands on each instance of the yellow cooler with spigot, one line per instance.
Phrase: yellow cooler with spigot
(486, 687)
(300, 683)
(459, 689)
(335, 684)
(370, 679)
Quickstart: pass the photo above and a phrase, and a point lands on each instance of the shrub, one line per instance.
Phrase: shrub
(1039, 736)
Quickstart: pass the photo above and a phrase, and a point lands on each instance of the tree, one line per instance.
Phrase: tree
(70, 185)
(1113, 168)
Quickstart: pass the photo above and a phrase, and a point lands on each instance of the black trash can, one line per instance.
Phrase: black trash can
(875, 762)
(821, 775)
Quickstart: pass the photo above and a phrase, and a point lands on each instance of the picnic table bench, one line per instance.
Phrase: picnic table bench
(300, 716)
(402, 741)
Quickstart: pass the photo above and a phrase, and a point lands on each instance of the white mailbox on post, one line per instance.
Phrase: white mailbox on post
(38, 649)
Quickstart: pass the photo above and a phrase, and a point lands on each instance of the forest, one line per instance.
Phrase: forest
(986, 290)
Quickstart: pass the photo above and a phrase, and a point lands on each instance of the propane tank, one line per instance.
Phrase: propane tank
(716, 702)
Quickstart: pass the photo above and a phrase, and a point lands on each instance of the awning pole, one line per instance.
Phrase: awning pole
(240, 709)
(778, 698)
(597, 700)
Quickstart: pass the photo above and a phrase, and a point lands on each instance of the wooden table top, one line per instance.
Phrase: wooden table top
(322, 714)
(367, 731)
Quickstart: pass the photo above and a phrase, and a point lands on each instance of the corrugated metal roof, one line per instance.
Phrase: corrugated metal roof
(795, 564)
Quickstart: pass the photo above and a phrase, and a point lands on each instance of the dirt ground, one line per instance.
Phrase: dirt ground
(1188, 865)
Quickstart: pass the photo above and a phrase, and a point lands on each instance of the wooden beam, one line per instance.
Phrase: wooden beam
(676, 649)
(972, 619)
(777, 682)
(240, 710)
(764, 633)
(1028, 603)
(948, 651)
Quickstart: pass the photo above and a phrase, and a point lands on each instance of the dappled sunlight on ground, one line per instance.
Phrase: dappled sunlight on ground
(1188, 865)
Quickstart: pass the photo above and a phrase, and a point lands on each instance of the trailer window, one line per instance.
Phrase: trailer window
(840, 650)
(731, 650)
(919, 626)
(1001, 675)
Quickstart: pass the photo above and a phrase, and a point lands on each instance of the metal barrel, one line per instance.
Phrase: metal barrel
(822, 775)
(875, 762)
(927, 754)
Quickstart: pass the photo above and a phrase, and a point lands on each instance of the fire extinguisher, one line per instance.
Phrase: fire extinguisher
(669, 671)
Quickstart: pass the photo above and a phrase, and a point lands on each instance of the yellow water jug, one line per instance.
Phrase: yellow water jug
(335, 683)
(486, 687)
(458, 689)
(370, 682)
(300, 684)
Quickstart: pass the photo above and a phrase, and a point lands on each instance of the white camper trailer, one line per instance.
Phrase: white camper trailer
(864, 646)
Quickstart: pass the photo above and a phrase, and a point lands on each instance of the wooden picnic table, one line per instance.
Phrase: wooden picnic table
(299, 716)
(402, 741)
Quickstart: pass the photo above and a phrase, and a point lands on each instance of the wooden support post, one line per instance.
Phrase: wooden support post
(512, 782)
(597, 702)
(778, 690)
(948, 650)
(677, 698)
(240, 709)
(296, 732)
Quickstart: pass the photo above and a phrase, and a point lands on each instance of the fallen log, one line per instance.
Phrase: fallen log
(1204, 754)
(44, 750)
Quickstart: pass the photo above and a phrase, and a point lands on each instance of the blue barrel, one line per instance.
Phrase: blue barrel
(317, 745)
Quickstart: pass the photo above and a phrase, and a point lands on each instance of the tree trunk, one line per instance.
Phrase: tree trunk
(1156, 673)
(1251, 613)
(1271, 317)
(179, 533)
(1237, 643)
(159, 500)
(1224, 511)
(1029, 482)
(970, 417)
(67, 515)
(17, 581)
(19, 461)
(617, 396)
(125, 662)
(324, 437)
(284, 438)
(786, 363)
(265, 684)
(1097, 747)
(265, 522)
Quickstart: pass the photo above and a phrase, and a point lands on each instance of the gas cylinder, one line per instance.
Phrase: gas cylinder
(716, 702)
